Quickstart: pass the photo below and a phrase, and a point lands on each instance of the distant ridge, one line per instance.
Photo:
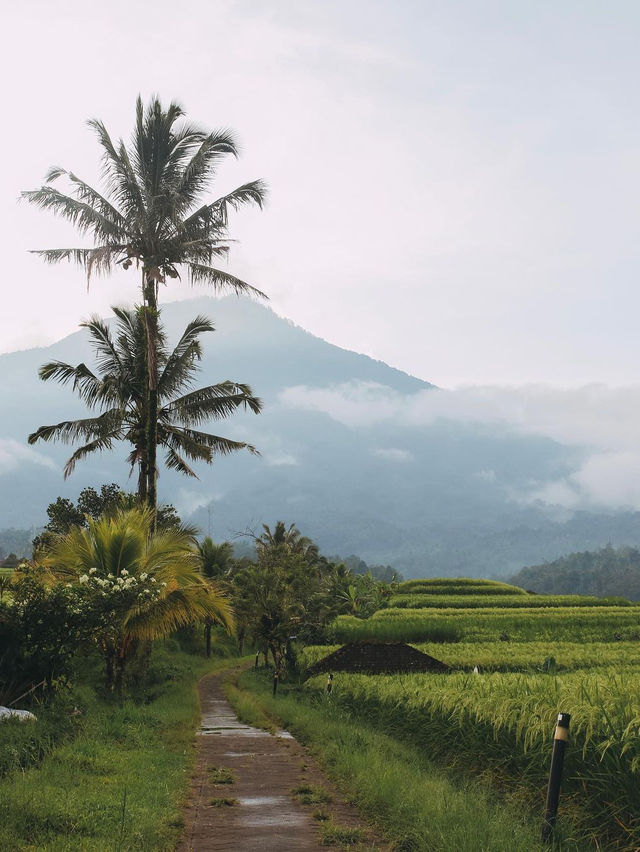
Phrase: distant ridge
(413, 497)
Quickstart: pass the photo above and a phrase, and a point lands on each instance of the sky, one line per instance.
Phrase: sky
(454, 187)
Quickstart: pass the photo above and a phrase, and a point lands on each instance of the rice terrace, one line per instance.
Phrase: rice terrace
(320, 427)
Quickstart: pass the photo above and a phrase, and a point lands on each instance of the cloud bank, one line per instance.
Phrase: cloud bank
(601, 420)
(14, 455)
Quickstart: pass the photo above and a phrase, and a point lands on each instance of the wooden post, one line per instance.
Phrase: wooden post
(560, 740)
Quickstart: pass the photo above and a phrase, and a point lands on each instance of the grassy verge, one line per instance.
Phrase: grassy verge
(415, 804)
(120, 783)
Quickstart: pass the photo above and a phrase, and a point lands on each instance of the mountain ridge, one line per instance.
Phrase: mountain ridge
(436, 498)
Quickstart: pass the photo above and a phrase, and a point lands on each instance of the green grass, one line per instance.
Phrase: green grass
(312, 794)
(469, 601)
(121, 782)
(223, 802)
(221, 775)
(415, 804)
(340, 835)
(572, 624)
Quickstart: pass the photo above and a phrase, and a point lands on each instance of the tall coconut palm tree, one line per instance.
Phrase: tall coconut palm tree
(135, 585)
(118, 391)
(150, 216)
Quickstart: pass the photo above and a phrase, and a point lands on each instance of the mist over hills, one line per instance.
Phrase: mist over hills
(443, 497)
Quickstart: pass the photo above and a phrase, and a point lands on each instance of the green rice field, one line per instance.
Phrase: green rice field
(535, 656)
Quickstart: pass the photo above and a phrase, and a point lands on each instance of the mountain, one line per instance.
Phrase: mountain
(426, 499)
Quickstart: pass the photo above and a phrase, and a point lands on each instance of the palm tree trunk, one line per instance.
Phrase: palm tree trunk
(142, 477)
(151, 326)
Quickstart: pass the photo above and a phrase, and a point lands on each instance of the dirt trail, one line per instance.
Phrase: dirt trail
(263, 814)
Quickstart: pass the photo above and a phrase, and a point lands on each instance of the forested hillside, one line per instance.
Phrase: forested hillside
(604, 572)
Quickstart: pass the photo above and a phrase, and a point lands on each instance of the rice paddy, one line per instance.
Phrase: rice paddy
(518, 659)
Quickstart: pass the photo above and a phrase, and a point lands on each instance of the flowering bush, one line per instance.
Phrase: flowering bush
(132, 585)
(42, 625)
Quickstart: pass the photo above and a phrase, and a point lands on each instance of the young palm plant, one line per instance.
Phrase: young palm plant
(136, 585)
(118, 391)
(151, 215)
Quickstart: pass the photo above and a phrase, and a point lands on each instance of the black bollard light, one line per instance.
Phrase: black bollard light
(257, 659)
(560, 739)
(275, 682)
(329, 684)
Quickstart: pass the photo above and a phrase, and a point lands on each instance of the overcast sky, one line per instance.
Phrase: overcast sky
(454, 186)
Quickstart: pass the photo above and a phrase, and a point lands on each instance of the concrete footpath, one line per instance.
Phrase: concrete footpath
(258, 809)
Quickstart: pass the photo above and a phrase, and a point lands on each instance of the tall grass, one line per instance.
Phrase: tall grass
(506, 721)
(417, 805)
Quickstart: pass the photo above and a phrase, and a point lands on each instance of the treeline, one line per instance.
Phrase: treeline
(605, 572)
(16, 542)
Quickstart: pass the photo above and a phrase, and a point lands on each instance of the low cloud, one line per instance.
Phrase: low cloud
(281, 460)
(14, 455)
(603, 421)
(393, 454)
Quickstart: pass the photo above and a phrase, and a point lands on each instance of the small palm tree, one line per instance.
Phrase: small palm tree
(118, 391)
(287, 539)
(137, 585)
(150, 215)
(216, 561)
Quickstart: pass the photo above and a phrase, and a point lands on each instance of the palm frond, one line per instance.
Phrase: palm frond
(190, 441)
(215, 402)
(82, 452)
(222, 282)
(85, 217)
(106, 425)
(174, 461)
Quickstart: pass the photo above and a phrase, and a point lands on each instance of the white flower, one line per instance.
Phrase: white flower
(92, 570)
(143, 576)
(153, 579)
(124, 573)
(84, 579)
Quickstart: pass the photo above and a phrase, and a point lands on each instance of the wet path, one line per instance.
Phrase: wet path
(257, 810)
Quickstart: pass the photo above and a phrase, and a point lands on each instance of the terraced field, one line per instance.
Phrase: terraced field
(536, 656)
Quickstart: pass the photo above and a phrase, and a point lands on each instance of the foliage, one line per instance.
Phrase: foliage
(135, 585)
(356, 565)
(42, 625)
(118, 390)
(150, 216)
(607, 571)
(63, 514)
(292, 592)
(216, 560)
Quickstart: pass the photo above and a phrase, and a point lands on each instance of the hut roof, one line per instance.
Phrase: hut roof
(377, 658)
